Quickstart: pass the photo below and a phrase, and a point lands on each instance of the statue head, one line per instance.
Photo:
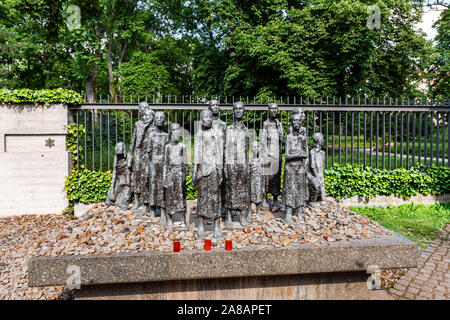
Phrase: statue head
(214, 107)
(206, 118)
(159, 119)
(238, 110)
(148, 115)
(296, 121)
(297, 110)
(273, 110)
(175, 132)
(300, 111)
(143, 106)
(120, 148)
(255, 148)
(318, 139)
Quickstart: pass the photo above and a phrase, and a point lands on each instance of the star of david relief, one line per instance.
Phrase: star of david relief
(49, 142)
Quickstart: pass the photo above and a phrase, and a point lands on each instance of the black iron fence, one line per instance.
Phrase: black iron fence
(382, 133)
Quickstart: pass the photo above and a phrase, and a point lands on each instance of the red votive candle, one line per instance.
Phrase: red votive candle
(176, 246)
(228, 245)
(207, 244)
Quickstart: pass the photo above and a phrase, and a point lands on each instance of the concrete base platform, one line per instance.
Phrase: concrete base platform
(322, 286)
(335, 271)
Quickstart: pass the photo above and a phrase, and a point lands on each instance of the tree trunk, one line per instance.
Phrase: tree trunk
(112, 91)
(90, 87)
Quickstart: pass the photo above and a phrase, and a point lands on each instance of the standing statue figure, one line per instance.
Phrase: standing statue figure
(295, 182)
(219, 127)
(271, 140)
(207, 175)
(176, 170)
(295, 110)
(138, 156)
(120, 191)
(156, 149)
(257, 178)
(316, 171)
(237, 169)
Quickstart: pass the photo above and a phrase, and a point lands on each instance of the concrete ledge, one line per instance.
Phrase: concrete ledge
(384, 201)
(343, 256)
(328, 286)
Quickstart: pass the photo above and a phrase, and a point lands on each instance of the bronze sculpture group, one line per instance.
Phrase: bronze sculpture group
(153, 173)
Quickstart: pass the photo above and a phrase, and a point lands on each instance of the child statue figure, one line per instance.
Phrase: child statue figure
(120, 191)
(139, 161)
(207, 175)
(155, 149)
(295, 183)
(257, 178)
(176, 170)
(237, 168)
(316, 171)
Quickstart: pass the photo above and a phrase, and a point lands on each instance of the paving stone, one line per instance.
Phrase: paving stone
(409, 295)
(431, 278)
(426, 294)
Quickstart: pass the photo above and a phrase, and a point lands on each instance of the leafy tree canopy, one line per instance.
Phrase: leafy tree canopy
(221, 47)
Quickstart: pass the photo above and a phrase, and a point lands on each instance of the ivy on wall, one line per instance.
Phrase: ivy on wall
(76, 150)
(40, 96)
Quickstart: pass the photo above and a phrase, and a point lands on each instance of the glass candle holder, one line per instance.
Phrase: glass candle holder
(228, 245)
(176, 246)
(207, 244)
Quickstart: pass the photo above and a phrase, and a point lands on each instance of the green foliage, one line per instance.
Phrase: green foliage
(319, 47)
(440, 70)
(145, 74)
(87, 186)
(77, 151)
(191, 192)
(419, 223)
(69, 211)
(260, 48)
(347, 181)
(40, 96)
(340, 181)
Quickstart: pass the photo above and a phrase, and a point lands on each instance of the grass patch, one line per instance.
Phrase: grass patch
(420, 223)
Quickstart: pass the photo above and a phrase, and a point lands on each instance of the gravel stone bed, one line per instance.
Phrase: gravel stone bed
(107, 230)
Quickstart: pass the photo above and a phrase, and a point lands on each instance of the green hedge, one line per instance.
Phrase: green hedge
(346, 181)
(40, 96)
(89, 186)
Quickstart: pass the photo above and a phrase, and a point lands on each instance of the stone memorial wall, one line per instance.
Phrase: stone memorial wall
(34, 161)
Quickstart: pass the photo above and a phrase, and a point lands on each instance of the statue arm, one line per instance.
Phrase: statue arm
(149, 146)
(225, 151)
(197, 151)
(281, 136)
(247, 145)
(305, 152)
(166, 163)
(148, 149)
(289, 155)
(133, 141)
(185, 162)
(263, 140)
(111, 194)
